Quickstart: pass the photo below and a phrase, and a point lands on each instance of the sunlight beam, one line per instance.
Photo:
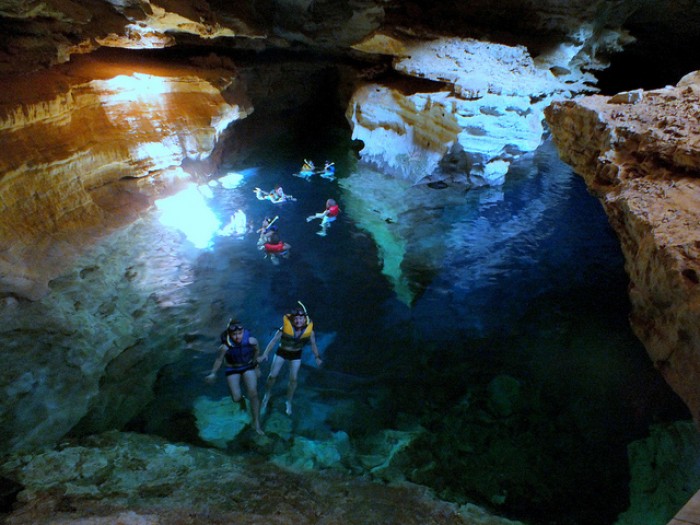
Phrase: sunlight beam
(188, 212)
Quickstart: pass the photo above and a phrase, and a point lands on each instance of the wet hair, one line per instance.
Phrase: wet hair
(274, 238)
(330, 202)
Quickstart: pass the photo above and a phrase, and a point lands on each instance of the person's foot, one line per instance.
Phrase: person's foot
(288, 408)
(263, 406)
(259, 431)
(321, 233)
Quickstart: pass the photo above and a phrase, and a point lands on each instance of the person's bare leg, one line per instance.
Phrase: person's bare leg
(251, 386)
(293, 373)
(234, 386)
(277, 363)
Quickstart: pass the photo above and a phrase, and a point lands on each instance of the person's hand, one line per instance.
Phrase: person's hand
(262, 359)
(319, 361)
(210, 378)
(310, 218)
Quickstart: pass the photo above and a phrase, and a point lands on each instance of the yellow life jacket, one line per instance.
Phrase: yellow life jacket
(291, 343)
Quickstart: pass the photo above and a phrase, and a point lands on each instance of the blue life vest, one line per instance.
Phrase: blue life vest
(238, 355)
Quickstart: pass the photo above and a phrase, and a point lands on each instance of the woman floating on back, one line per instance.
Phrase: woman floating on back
(275, 195)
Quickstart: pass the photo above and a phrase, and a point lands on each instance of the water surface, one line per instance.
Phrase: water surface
(489, 324)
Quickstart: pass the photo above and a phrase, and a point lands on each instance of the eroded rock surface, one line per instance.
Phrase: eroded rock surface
(639, 153)
(133, 479)
(482, 110)
(664, 473)
(462, 103)
(90, 144)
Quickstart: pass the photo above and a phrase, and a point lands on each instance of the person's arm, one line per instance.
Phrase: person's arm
(256, 348)
(270, 345)
(217, 364)
(314, 349)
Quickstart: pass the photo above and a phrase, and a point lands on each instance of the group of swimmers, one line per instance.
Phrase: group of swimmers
(270, 241)
(308, 169)
(241, 351)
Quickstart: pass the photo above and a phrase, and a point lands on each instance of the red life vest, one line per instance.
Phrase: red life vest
(274, 248)
(333, 211)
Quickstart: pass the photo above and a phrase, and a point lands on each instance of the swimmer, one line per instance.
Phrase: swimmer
(274, 247)
(307, 170)
(275, 195)
(327, 216)
(297, 330)
(328, 171)
(240, 351)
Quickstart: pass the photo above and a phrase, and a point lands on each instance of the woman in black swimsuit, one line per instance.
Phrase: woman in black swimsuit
(240, 351)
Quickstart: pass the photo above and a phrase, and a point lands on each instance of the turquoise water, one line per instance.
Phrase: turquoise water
(494, 320)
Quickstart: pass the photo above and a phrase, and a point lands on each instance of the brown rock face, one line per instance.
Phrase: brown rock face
(89, 144)
(639, 153)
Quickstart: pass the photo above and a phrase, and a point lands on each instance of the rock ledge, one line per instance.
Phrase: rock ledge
(639, 153)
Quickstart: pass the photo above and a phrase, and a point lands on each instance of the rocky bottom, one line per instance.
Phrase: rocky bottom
(134, 479)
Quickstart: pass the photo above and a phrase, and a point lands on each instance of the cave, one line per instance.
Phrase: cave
(488, 230)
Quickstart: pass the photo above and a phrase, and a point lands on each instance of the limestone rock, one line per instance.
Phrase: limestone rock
(43, 34)
(135, 479)
(219, 421)
(77, 140)
(87, 356)
(640, 155)
(482, 110)
(664, 471)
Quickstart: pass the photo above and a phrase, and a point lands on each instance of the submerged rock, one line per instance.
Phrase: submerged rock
(219, 421)
(665, 473)
(136, 479)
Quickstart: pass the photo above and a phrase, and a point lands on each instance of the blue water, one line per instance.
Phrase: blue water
(514, 295)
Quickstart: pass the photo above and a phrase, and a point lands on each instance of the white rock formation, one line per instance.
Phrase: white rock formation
(483, 109)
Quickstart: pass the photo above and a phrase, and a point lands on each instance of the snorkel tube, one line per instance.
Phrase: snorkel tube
(306, 312)
(267, 228)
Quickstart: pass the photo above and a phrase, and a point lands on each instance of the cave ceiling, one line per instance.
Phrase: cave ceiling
(38, 34)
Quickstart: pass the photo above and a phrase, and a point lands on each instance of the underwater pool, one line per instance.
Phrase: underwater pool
(475, 342)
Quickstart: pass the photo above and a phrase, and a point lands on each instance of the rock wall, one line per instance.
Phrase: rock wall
(493, 68)
(480, 109)
(640, 155)
(89, 352)
(88, 145)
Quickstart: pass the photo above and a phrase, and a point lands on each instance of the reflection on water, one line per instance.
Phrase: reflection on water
(491, 324)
